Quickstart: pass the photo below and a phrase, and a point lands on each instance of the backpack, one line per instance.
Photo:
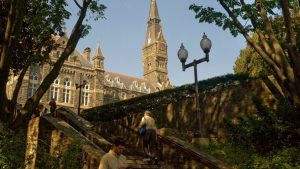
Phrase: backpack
(143, 130)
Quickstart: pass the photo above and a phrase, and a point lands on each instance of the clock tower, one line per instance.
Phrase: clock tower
(155, 55)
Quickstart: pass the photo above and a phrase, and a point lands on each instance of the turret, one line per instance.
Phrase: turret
(98, 59)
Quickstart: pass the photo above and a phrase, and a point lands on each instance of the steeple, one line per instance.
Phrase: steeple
(98, 58)
(155, 54)
(98, 52)
(153, 24)
(153, 13)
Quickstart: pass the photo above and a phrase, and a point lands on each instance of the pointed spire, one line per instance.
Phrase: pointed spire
(98, 52)
(154, 26)
(98, 58)
(153, 13)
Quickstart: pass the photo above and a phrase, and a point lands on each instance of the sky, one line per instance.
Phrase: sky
(122, 35)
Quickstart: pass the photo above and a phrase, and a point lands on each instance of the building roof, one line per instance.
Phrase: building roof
(127, 82)
(79, 57)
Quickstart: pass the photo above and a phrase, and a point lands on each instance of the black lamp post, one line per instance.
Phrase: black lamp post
(80, 85)
(205, 44)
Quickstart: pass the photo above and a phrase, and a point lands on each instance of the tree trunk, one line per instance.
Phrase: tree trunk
(13, 103)
(13, 26)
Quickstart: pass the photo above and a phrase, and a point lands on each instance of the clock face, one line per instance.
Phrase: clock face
(162, 46)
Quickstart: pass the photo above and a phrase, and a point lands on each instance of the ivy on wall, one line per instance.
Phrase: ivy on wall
(120, 109)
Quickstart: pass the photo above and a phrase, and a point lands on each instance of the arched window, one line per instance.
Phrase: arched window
(123, 96)
(33, 83)
(66, 90)
(54, 90)
(85, 95)
(113, 94)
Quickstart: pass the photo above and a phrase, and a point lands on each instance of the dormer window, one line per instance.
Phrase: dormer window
(58, 53)
(135, 84)
(143, 84)
(108, 78)
(117, 79)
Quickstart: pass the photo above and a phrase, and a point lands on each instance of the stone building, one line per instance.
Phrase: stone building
(86, 72)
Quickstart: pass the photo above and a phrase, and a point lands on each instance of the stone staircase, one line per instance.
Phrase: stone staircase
(98, 143)
(96, 140)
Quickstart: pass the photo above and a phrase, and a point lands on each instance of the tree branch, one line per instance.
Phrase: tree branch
(291, 43)
(252, 18)
(18, 85)
(258, 49)
(291, 37)
(279, 56)
(78, 5)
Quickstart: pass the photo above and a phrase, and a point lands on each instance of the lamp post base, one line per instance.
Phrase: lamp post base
(200, 141)
(199, 138)
(196, 134)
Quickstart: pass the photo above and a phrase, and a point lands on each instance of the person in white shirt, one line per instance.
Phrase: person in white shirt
(114, 159)
(150, 138)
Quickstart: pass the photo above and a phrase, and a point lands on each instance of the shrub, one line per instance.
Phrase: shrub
(264, 131)
(12, 152)
(238, 157)
(12, 148)
(69, 159)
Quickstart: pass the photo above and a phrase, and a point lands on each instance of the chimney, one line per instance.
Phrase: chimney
(86, 53)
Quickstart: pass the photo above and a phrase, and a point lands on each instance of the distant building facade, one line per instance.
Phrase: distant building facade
(101, 87)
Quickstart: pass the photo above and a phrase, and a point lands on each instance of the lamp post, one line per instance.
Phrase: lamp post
(205, 44)
(80, 85)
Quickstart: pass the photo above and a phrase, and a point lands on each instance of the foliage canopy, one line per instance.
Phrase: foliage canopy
(277, 45)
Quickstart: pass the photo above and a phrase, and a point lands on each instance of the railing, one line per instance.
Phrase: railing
(190, 155)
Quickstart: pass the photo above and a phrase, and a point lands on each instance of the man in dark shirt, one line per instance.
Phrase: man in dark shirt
(52, 105)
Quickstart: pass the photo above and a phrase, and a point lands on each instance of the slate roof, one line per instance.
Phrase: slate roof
(128, 83)
(83, 62)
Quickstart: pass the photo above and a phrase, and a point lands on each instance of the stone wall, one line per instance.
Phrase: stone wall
(235, 100)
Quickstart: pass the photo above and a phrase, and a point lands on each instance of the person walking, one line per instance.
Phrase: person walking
(52, 105)
(114, 159)
(150, 138)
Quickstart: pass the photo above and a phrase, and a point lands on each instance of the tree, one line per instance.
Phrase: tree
(33, 44)
(250, 63)
(276, 45)
(9, 34)
(45, 12)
